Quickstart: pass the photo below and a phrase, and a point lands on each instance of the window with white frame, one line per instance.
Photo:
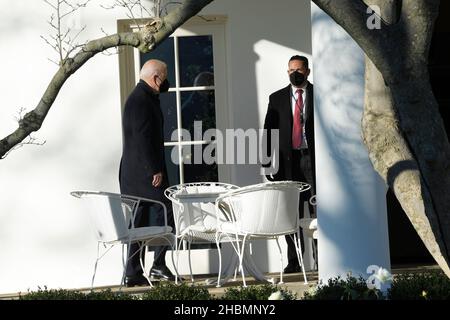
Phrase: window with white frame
(196, 71)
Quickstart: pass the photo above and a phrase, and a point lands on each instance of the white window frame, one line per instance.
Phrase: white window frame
(129, 64)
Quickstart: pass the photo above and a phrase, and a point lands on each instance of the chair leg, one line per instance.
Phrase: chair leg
(177, 252)
(190, 263)
(241, 257)
(220, 259)
(170, 238)
(95, 266)
(125, 264)
(281, 261)
(236, 248)
(300, 255)
(170, 242)
(173, 261)
(142, 250)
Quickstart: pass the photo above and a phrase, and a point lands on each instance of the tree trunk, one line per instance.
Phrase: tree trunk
(425, 205)
(402, 126)
(393, 160)
(423, 128)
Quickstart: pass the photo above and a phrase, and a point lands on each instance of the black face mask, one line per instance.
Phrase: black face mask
(164, 86)
(297, 78)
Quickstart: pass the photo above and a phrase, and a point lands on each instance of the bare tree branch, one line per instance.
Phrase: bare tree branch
(63, 44)
(145, 40)
(50, 4)
(130, 6)
(30, 140)
(146, 12)
(106, 52)
(74, 7)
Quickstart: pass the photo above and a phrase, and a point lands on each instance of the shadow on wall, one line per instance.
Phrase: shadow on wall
(340, 95)
(348, 112)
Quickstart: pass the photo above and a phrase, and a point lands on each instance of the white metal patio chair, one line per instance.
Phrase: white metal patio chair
(309, 226)
(263, 211)
(112, 216)
(195, 217)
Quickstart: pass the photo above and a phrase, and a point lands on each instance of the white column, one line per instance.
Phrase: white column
(352, 218)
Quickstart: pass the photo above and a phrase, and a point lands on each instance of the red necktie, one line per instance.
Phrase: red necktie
(297, 128)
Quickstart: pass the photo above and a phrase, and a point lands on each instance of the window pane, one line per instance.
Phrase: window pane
(164, 52)
(196, 61)
(200, 172)
(173, 170)
(198, 106)
(169, 110)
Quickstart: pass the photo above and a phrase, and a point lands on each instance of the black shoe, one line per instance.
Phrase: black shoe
(136, 281)
(292, 268)
(162, 272)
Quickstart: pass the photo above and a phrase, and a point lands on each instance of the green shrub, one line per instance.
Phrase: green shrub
(109, 295)
(260, 292)
(163, 291)
(61, 294)
(171, 291)
(420, 286)
(52, 294)
(340, 289)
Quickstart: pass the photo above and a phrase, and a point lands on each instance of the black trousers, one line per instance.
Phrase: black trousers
(149, 215)
(301, 171)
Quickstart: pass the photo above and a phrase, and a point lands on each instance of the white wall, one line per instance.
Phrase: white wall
(45, 239)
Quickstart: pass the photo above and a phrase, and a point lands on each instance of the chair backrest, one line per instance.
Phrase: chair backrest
(266, 209)
(110, 214)
(200, 216)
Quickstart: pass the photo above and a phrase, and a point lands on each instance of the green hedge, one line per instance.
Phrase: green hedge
(163, 291)
(61, 294)
(434, 285)
(171, 291)
(422, 286)
(261, 292)
(344, 289)
(417, 286)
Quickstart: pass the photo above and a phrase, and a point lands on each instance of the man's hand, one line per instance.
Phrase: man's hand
(157, 179)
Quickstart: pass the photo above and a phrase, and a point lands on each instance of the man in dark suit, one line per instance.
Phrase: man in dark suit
(291, 111)
(142, 169)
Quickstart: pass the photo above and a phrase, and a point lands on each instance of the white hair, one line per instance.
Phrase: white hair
(153, 67)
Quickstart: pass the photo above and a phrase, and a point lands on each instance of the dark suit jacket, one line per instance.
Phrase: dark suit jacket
(279, 116)
(143, 144)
